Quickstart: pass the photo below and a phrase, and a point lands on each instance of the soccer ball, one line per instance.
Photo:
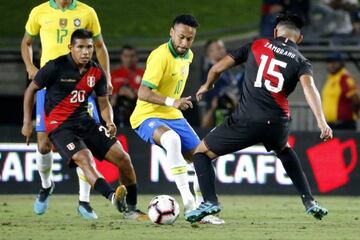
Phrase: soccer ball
(163, 209)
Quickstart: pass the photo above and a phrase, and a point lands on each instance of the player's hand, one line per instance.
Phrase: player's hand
(183, 103)
(202, 90)
(32, 70)
(111, 129)
(326, 132)
(27, 130)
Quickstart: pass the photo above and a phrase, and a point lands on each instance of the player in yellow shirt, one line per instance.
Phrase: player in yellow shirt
(54, 21)
(157, 118)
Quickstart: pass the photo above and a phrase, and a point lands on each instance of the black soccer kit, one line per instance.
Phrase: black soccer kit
(272, 71)
(68, 123)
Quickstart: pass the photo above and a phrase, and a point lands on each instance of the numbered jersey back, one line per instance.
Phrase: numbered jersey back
(273, 68)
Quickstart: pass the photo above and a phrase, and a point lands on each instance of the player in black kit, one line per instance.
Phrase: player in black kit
(69, 80)
(273, 68)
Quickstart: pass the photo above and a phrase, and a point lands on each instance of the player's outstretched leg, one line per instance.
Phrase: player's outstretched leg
(293, 168)
(127, 206)
(171, 141)
(84, 209)
(84, 159)
(44, 161)
(209, 219)
(206, 177)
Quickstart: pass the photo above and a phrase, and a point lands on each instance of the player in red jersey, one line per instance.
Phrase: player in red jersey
(69, 80)
(273, 68)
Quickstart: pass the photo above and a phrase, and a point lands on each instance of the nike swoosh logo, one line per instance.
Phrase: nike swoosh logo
(173, 74)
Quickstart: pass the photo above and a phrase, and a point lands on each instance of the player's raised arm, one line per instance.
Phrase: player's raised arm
(313, 99)
(103, 58)
(27, 55)
(214, 73)
(29, 99)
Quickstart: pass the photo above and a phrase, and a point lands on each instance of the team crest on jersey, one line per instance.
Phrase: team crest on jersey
(63, 22)
(91, 81)
(70, 146)
(77, 22)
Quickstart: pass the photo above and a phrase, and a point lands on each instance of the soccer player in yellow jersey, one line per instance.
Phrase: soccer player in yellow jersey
(54, 21)
(157, 117)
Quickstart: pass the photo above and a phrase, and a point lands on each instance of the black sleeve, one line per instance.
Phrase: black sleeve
(43, 77)
(101, 86)
(240, 55)
(305, 68)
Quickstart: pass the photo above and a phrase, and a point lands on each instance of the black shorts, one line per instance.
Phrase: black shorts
(234, 135)
(84, 134)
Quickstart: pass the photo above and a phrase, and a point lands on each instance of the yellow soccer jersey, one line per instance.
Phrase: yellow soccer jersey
(166, 74)
(55, 26)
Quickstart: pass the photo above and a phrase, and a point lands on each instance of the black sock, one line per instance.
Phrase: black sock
(293, 168)
(104, 188)
(206, 176)
(131, 197)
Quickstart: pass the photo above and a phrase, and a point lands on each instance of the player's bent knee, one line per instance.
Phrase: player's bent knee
(173, 138)
(84, 159)
(44, 148)
(43, 142)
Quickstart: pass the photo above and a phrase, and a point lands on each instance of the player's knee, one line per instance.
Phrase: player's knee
(44, 147)
(84, 160)
(170, 139)
(283, 150)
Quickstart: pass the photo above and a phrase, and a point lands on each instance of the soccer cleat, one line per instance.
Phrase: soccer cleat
(136, 215)
(41, 203)
(86, 211)
(205, 208)
(212, 219)
(313, 208)
(119, 199)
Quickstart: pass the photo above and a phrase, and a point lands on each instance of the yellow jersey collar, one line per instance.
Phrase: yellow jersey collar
(174, 53)
(70, 7)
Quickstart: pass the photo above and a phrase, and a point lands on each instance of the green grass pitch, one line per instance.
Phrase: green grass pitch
(247, 217)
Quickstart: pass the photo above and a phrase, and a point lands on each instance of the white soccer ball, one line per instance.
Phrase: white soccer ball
(163, 209)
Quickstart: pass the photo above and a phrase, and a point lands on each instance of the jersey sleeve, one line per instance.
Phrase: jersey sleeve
(240, 55)
(155, 68)
(305, 68)
(43, 77)
(101, 86)
(94, 24)
(32, 26)
(348, 86)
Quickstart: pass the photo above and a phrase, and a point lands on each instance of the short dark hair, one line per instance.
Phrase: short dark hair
(127, 47)
(186, 19)
(209, 42)
(80, 34)
(290, 20)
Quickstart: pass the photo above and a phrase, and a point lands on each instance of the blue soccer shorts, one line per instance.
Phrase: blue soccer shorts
(40, 108)
(189, 139)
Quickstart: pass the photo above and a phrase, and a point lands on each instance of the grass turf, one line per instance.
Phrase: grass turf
(247, 217)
